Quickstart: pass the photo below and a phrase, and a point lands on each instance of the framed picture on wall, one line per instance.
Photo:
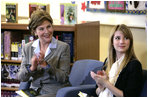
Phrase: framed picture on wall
(116, 6)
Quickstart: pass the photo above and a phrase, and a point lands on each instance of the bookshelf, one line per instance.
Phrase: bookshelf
(10, 61)
(86, 36)
(21, 29)
(9, 88)
(3, 88)
(85, 41)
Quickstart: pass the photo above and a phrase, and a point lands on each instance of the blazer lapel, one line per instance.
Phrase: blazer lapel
(32, 51)
(48, 57)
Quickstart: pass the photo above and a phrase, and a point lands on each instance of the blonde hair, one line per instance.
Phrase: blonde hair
(112, 54)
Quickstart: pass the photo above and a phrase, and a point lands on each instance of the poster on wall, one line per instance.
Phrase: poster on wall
(136, 7)
(12, 12)
(68, 13)
(116, 6)
(35, 6)
(123, 7)
(96, 6)
(106, 6)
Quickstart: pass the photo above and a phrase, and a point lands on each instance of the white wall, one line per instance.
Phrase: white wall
(104, 18)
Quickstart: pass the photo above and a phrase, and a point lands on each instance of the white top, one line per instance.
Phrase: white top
(113, 74)
(36, 45)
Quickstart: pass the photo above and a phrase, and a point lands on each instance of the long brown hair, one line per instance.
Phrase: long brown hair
(112, 53)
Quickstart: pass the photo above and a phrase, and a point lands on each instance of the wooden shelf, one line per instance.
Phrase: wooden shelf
(9, 88)
(64, 28)
(16, 26)
(10, 61)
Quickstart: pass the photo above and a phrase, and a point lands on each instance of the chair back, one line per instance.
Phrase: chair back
(80, 72)
(25, 85)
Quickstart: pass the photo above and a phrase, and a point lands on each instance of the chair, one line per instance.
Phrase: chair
(90, 89)
(80, 75)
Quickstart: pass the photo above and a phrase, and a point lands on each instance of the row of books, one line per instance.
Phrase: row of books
(12, 83)
(68, 12)
(9, 70)
(12, 50)
(8, 93)
(9, 79)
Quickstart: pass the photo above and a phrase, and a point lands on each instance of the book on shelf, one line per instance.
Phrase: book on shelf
(27, 38)
(27, 93)
(7, 45)
(11, 49)
(4, 71)
(34, 6)
(45, 7)
(68, 13)
(10, 83)
(68, 38)
(13, 71)
(23, 43)
(58, 36)
(10, 70)
(2, 45)
(5, 93)
(62, 13)
(12, 12)
(14, 51)
(20, 51)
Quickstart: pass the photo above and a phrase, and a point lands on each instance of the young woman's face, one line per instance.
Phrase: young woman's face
(45, 32)
(120, 42)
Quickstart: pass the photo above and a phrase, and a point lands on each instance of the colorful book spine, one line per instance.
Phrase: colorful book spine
(62, 13)
(43, 6)
(16, 51)
(5, 93)
(34, 6)
(69, 12)
(19, 51)
(2, 45)
(12, 51)
(7, 45)
(23, 43)
(68, 38)
(12, 12)
(26, 38)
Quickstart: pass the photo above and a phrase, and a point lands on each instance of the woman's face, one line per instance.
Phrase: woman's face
(45, 32)
(120, 42)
